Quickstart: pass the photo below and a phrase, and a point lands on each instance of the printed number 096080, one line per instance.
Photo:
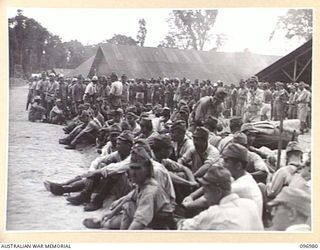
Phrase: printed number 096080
(308, 245)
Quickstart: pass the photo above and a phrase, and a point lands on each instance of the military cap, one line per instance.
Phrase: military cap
(179, 124)
(237, 151)
(212, 121)
(118, 111)
(161, 141)
(165, 111)
(143, 143)
(293, 146)
(74, 79)
(58, 100)
(52, 74)
(115, 129)
(183, 102)
(126, 135)
(144, 121)
(87, 80)
(184, 109)
(236, 120)
(37, 97)
(240, 138)
(201, 132)
(295, 198)
(132, 109)
(142, 152)
(217, 176)
(94, 78)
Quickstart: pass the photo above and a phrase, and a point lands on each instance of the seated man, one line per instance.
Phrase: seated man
(87, 134)
(36, 112)
(80, 183)
(235, 159)
(226, 210)
(105, 184)
(283, 176)
(75, 121)
(56, 115)
(291, 210)
(256, 165)
(147, 206)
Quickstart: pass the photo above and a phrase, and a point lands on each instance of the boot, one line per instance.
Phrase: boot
(79, 199)
(70, 147)
(60, 189)
(94, 205)
(64, 141)
(54, 188)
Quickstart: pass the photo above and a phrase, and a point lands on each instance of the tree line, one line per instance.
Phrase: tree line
(32, 48)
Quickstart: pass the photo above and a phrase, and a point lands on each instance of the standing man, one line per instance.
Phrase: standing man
(90, 93)
(293, 96)
(51, 93)
(63, 93)
(303, 102)
(115, 91)
(77, 92)
(255, 99)
(41, 88)
(125, 90)
(266, 106)
(242, 98)
(280, 97)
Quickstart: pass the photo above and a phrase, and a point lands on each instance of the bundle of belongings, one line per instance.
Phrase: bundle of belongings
(267, 133)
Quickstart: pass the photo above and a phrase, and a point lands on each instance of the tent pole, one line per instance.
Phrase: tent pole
(281, 131)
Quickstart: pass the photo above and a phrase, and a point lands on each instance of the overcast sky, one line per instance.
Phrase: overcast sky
(245, 27)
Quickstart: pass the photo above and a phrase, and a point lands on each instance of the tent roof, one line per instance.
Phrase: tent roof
(83, 69)
(147, 62)
(295, 66)
(61, 71)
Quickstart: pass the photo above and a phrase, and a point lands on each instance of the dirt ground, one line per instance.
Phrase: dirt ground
(35, 156)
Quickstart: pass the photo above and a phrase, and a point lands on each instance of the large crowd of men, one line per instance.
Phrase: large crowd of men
(179, 155)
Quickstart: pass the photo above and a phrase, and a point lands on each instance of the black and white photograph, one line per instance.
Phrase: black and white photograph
(171, 119)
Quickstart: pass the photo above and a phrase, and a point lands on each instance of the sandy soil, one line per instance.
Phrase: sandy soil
(34, 156)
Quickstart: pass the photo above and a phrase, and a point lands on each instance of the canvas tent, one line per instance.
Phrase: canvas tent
(146, 62)
(294, 67)
(83, 69)
(60, 71)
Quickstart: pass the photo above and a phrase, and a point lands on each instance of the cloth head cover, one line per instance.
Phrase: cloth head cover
(217, 176)
(126, 135)
(201, 132)
(294, 198)
(115, 129)
(293, 146)
(161, 141)
(236, 151)
(179, 124)
(240, 138)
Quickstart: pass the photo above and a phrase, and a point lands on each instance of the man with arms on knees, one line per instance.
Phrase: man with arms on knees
(226, 210)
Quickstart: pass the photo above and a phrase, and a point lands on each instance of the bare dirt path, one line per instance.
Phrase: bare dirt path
(34, 156)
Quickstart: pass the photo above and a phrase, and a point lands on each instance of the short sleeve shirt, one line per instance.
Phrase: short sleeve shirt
(151, 199)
